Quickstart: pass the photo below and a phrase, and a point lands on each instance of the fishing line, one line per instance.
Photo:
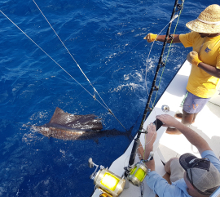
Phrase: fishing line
(152, 103)
(117, 63)
(50, 57)
(80, 67)
(111, 66)
(174, 17)
(78, 64)
(148, 53)
(167, 54)
(149, 56)
(70, 54)
(140, 146)
(106, 106)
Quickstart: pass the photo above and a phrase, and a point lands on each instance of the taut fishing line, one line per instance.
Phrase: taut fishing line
(109, 68)
(174, 17)
(167, 55)
(70, 54)
(106, 107)
(146, 80)
(150, 53)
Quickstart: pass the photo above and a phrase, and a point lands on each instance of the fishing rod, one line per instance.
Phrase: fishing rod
(110, 184)
(177, 7)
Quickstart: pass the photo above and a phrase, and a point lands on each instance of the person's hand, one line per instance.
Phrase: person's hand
(151, 37)
(168, 121)
(193, 58)
(151, 135)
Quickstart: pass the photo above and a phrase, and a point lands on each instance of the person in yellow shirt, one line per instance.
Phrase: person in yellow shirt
(204, 38)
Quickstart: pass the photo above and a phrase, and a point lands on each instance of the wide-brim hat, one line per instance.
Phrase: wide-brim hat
(208, 21)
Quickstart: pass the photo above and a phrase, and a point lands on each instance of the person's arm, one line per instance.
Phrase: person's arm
(162, 188)
(194, 138)
(209, 69)
(193, 58)
(154, 37)
(176, 39)
(157, 183)
(149, 141)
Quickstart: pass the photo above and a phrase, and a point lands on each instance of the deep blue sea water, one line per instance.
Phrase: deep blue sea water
(106, 39)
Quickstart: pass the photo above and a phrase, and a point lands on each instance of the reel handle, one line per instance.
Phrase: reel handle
(90, 162)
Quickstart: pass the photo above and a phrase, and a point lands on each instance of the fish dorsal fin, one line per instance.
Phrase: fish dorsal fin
(75, 121)
(60, 117)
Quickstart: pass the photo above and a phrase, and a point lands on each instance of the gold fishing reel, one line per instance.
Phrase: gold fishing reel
(139, 171)
(109, 183)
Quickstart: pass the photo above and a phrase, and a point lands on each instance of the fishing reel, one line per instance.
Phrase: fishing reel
(139, 171)
(110, 184)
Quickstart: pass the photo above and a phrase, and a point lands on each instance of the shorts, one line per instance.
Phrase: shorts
(194, 104)
(176, 170)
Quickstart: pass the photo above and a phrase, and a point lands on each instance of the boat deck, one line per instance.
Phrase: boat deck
(206, 125)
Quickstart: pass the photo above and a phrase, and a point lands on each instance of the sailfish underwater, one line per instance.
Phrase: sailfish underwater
(66, 126)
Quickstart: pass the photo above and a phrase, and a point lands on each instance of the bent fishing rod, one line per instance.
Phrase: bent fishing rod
(110, 184)
(177, 7)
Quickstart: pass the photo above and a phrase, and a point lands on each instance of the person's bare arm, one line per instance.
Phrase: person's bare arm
(209, 69)
(194, 138)
(149, 141)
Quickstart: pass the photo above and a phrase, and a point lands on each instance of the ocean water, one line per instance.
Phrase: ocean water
(106, 40)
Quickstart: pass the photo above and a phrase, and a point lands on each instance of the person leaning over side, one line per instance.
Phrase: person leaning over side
(190, 176)
(205, 60)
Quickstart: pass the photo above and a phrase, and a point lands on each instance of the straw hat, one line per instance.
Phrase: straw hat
(208, 21)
